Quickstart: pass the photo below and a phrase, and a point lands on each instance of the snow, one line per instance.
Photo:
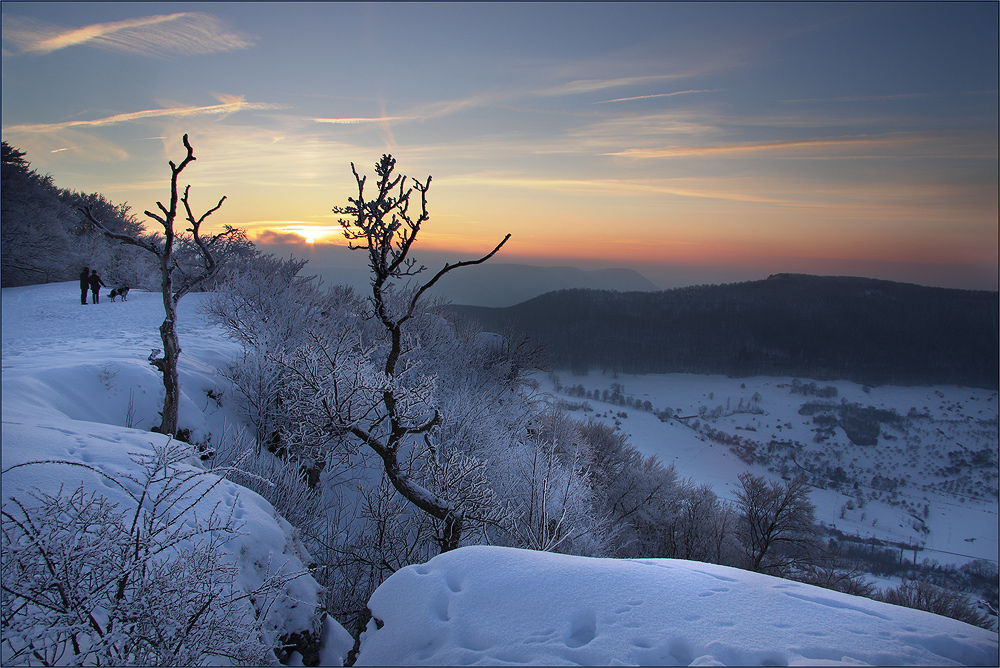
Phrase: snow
(70, 372)
(494, 606)
(960, 529)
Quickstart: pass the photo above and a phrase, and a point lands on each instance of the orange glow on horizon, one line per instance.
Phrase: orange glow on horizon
(549, 245)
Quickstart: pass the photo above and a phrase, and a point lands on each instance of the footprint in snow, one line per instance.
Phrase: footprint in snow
(582, 629)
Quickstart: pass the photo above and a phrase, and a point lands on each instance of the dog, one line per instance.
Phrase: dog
(119, 292)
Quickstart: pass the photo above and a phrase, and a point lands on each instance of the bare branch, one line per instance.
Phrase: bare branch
(124, 238)
(448, 267)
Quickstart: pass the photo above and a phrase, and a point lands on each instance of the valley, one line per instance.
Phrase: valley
(913, 467)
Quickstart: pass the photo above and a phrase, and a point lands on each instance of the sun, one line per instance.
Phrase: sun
(307, 232)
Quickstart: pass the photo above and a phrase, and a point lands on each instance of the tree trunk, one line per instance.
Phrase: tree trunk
(421, 497)
(171, 350)
(171, 379)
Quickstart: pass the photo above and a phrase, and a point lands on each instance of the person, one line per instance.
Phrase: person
(84, 284)
(95, 285)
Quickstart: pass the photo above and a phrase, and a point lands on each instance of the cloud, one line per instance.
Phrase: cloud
(685, 151)
(166, 35)
(229, 104)
(275, 237)
(591, 85)
(861, 98)
(359, 120)
(649, 97)
(613, 187)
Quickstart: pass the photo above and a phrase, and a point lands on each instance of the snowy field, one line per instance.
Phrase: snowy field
(960, 520)
(77, 389)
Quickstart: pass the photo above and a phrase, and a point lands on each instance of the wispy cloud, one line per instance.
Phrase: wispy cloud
(861, 98)
(591, 85)
(732, 149)
(362, 120)
(229, 104)
(182, 33)
(649, 97)
(613, 187)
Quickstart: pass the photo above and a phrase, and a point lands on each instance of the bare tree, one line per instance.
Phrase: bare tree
(385, 227)
(175, 282)
(777, 528)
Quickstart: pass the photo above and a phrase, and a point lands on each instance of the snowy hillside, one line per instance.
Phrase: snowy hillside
(926, 475)
(75, 377)
(501, 606)
(77, 389)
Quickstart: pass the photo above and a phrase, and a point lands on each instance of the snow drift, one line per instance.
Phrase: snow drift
(493, 605)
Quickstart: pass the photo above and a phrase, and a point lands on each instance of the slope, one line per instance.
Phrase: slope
(79, 397)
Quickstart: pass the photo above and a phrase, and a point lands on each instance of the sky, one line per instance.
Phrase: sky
(697, 143)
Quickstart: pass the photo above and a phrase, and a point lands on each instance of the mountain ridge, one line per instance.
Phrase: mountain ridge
(868, 330)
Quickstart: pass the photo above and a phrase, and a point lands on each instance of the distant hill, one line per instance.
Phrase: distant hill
(499, 284)
(865, 330)
(489, 284)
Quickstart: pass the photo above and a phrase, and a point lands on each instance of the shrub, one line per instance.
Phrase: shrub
(940, 601)
(86, 583)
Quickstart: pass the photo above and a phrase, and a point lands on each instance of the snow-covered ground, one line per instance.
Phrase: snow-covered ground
(77, 388)
(501, 606)
(957, 527)
(74, 376)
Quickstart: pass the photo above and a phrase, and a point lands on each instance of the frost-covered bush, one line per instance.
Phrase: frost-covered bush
(85, 582)
(925, 596)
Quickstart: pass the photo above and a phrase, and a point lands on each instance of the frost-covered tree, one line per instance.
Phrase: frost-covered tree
(385, 227)
(34, 240)
(42, 241)
(118, 264)
(547, 483)
(176, 279)
(264, 303)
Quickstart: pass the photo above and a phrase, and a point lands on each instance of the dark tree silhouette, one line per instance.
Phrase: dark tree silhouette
(34, 235)
(172, 290)
(386, 228)
(777, 528)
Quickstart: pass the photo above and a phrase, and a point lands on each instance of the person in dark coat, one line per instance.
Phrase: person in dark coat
(95, 285)
(84, 284)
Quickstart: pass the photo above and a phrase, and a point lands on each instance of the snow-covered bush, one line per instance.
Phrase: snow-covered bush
(546, 481)
(940, 601)
(88, 583)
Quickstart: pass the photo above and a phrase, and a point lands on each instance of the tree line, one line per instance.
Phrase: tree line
(870, 331)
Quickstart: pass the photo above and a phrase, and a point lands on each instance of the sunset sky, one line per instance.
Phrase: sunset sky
(698, 143)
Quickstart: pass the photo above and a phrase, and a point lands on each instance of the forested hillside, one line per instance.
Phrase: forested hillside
(865, 330)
